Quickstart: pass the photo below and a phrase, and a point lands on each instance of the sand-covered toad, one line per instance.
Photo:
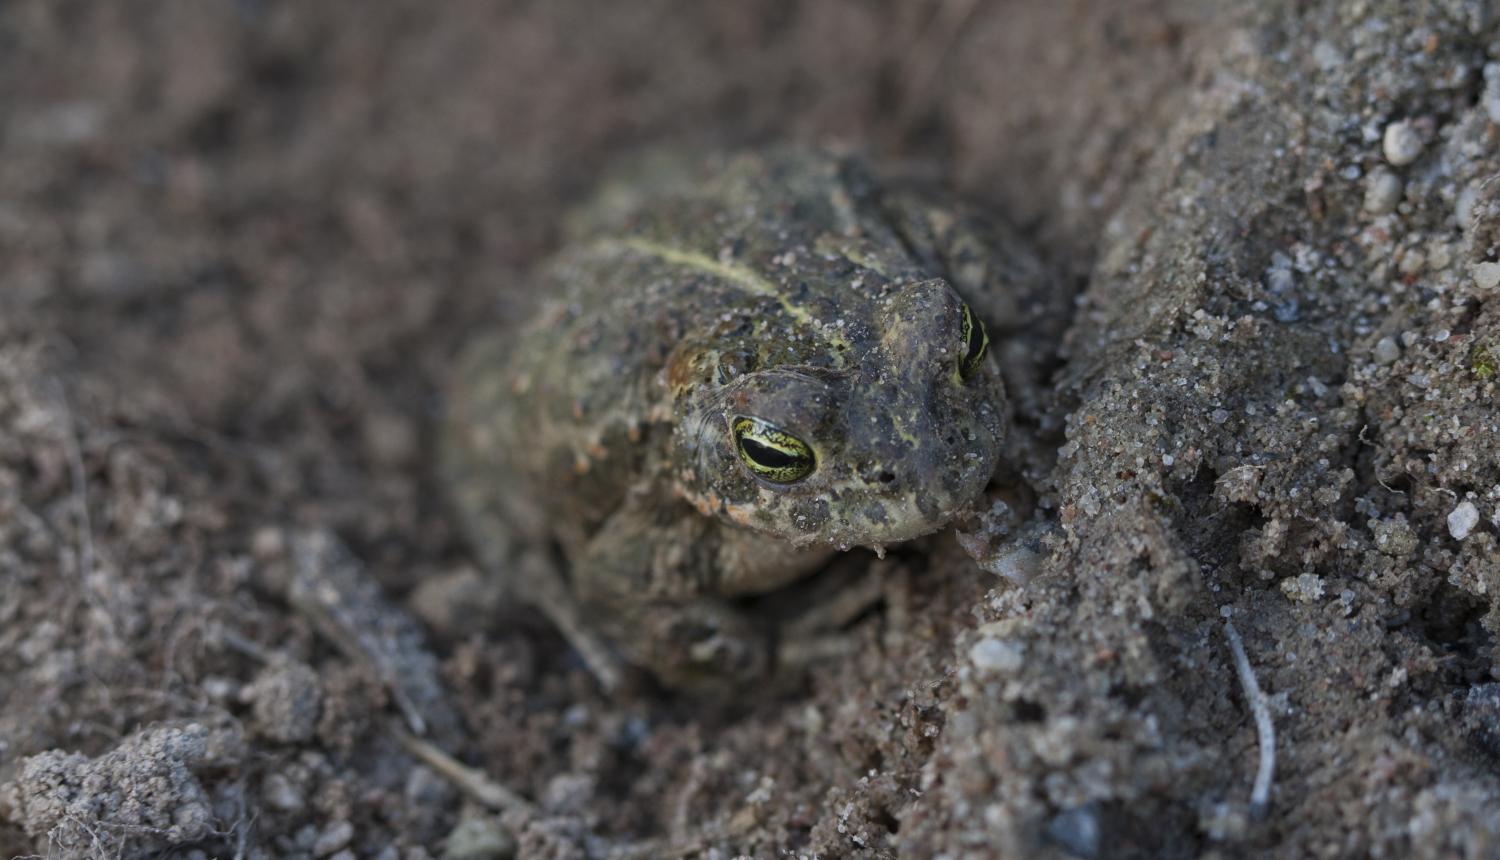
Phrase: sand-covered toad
(740, 371)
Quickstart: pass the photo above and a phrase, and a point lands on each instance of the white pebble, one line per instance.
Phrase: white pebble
(1383, 192)
(280, 793)
(1402, 144)
(1304, 588)
(1487, 275)
(1463, 520)
(991, 655)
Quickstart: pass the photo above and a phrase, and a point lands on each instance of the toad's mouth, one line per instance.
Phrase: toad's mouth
(881, 522)
(875, 521)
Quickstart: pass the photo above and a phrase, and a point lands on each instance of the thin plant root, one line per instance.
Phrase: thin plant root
(1265, 731)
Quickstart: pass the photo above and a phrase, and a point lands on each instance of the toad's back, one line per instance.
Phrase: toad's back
(776, 260)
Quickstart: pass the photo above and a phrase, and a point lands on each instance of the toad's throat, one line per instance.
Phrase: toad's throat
(877, 524)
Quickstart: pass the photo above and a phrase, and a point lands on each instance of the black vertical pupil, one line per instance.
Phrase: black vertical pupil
(767, 456)
(976, 337)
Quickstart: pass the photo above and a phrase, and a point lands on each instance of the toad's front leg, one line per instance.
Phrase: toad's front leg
(660, 581)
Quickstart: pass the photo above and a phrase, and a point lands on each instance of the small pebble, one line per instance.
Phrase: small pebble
(280, 793)
(1412, 262)
(1280, 280)
(1304, 588)
(1077, 831)
(335, 837)
(305, 836)
(1487, 275)
(220, 689)
(1402, 144)
(481, 838)
(568, 793)
(991, 655)
(1383, 192)
(1463, 520)
(1016, 563)
(285, 700)
(268, 543)
(1439, 255)
(1386, 351)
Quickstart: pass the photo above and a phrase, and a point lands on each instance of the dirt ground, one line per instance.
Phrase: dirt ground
(241, 243)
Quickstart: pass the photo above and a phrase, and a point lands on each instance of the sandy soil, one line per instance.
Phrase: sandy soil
(241, 243)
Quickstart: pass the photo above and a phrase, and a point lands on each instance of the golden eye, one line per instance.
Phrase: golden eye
(976, 343)
(770, 452)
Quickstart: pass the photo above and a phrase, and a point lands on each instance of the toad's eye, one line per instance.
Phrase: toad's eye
(770, 452)
(976, 342)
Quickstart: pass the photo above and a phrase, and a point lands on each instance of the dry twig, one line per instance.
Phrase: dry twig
(468, 780)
